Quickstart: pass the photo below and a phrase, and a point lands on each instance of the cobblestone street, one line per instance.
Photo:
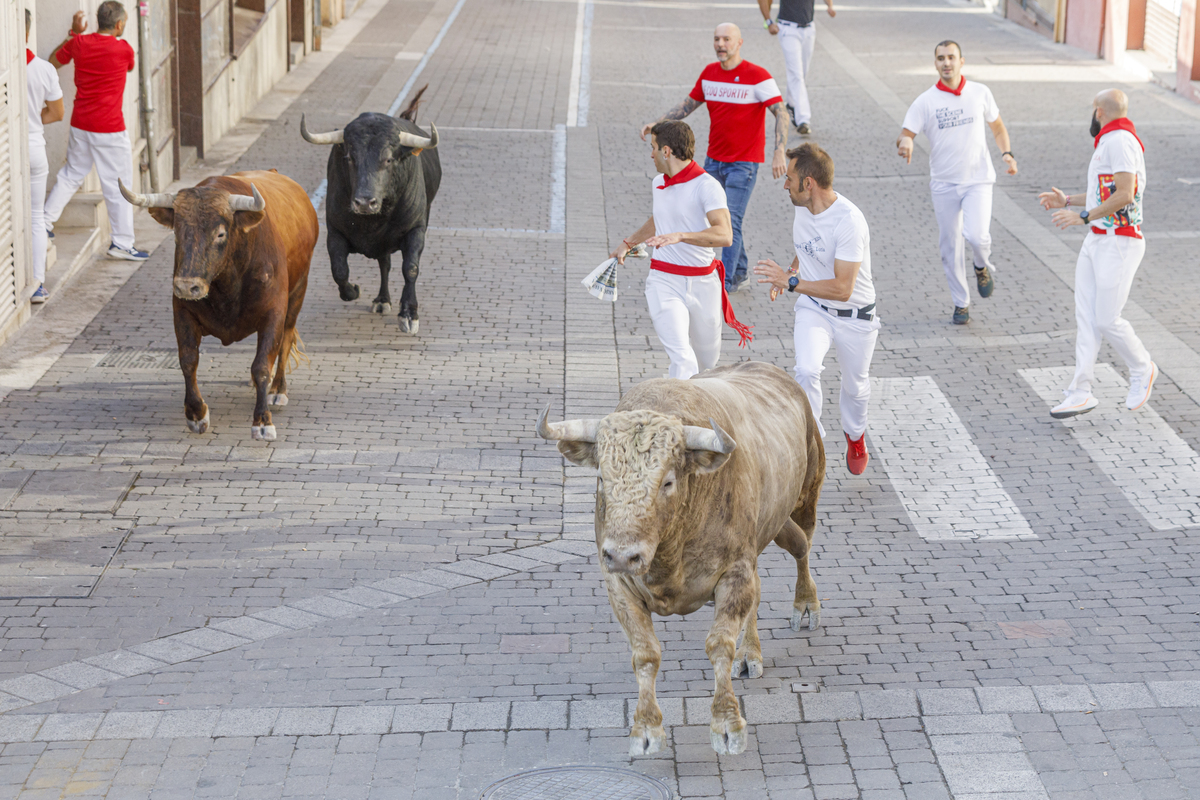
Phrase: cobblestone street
(400, 597)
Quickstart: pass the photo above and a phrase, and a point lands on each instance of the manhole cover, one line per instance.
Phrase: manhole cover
(140, 359)
(577, 783)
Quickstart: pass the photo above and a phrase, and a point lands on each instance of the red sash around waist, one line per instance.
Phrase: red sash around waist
(1134, 231)
(742, 329)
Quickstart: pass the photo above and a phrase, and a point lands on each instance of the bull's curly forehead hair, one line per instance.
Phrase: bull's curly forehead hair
(635, 449)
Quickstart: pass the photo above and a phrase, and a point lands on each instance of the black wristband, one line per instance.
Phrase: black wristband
(1007, 153)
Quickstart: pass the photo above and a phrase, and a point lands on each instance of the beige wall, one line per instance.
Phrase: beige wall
(247, 79)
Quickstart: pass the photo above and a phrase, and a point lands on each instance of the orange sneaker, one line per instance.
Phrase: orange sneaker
(856, 454)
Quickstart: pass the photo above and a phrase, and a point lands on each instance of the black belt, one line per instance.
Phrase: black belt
(861, 313)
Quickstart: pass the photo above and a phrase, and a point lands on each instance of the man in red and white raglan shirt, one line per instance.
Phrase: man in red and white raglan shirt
(737, 92)
(98, 136)
(1111, 207)
(952, 113)
(685, 288)
(45, 99)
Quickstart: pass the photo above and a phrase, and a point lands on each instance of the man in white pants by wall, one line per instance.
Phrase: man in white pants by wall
(1112, 250)
(952, 114)
(686, 284)
(797, 33)
(98, 137)
(832, 274)
(45, 101)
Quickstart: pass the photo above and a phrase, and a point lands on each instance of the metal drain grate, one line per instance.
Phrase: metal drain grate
(122, 358)
(577, 783)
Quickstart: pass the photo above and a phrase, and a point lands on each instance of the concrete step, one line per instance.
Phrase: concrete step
(86, 210)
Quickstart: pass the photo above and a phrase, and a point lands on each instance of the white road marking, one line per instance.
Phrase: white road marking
(412, 79)
(944, 482)
(576, 65)
(1156, 470)
(558, 178)
(318, 195)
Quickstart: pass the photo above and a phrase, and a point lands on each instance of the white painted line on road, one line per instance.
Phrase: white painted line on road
(558, 178)
(944, 482)
(412, 79)
(318, 195)
(1156, 470)
(576, 65)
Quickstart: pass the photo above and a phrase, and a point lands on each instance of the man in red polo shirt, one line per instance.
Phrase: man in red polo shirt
(98, 137)
(736, 92)
(684, 288)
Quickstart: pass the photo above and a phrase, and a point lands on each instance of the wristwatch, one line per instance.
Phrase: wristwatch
(768, 22)
(793, 282)
(1083, 215)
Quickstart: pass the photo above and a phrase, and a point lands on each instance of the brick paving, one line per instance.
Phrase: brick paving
(398, 598)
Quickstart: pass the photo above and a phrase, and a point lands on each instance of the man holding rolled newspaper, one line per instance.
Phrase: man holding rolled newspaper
(686, 285)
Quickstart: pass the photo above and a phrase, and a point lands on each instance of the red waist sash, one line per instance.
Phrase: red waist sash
(742, 329)
(1134, 231)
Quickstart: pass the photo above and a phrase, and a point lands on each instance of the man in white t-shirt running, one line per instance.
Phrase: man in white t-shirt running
(832, 274)
(1110, 256)
(952, 114)
(44, 96)
(685, 287)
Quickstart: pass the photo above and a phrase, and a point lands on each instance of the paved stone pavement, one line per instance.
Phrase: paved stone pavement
(399, 598)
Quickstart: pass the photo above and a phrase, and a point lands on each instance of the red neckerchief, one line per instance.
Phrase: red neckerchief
(690, 172)
(962, 81)
(28, 55)
(1122, 124)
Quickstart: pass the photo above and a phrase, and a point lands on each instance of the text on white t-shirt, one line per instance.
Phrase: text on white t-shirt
(838, 233)
(956, 126)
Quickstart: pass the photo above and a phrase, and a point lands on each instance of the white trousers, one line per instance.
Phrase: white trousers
(109, 153)
(797, 44)
(687, 318)
(1103, 276)
(39, 172)
(854, 339)
(963, 209)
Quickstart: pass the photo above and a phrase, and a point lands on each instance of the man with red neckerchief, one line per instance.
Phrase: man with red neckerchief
(1111, 253)
(685, 288)
(45, 102)
(952, 114)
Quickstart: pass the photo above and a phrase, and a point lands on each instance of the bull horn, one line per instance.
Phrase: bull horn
(572, 430)
(420, 142)
(239, 202)
(714, 439)
(333, 137)
(164, 200)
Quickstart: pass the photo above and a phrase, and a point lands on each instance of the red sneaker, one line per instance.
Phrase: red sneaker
(856, 454)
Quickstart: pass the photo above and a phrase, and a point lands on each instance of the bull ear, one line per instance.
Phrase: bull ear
(248, 220)
(163, 216)
(581, 453)
(702, 462)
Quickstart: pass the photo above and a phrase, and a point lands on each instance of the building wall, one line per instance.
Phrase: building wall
(248, 77)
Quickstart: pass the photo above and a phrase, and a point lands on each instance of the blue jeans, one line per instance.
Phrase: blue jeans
(738, 178)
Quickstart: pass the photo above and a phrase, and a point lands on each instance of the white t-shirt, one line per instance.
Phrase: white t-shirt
(1118, 151)
(956, 126)
(839, 232)
(683, 207)
(43, 83)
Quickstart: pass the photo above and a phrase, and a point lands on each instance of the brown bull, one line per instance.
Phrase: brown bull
(243, 244)
(696, 478)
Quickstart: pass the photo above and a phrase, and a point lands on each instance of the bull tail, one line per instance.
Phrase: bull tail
(295, 352)
(410, 113)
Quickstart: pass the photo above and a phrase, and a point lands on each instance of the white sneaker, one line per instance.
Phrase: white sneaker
(1139, 388)
(1076, 403)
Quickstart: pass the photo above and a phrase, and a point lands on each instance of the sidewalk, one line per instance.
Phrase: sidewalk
(399, 598)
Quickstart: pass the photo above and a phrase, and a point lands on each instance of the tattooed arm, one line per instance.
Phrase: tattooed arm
(779, 161)
(678, 112)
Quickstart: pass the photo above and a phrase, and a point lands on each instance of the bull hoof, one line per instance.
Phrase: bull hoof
(381, 308)
(348, 291)
(813, 610)
(749, 666)
(728, 738)
(409, 325)
(277, 399)
(198, 425)
(263, 433)
(646, 741)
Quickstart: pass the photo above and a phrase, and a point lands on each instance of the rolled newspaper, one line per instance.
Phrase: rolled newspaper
(602, 282)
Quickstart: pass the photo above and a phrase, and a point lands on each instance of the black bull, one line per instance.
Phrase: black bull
(383, 174)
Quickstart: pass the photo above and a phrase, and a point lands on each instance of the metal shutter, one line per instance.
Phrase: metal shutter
(1162, 28)
(13, 214)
